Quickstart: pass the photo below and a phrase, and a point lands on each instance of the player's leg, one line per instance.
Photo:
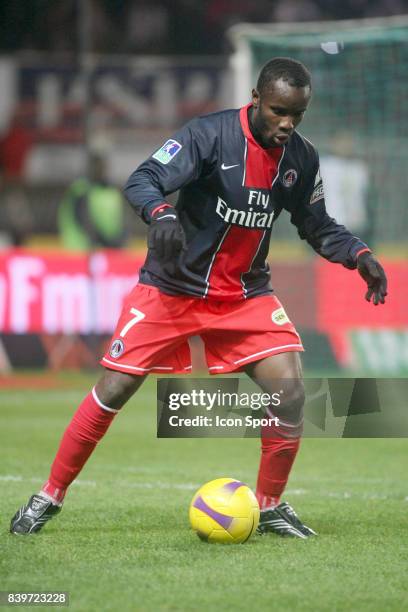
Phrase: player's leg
(150, 336)
(279, 444)
(88, 425)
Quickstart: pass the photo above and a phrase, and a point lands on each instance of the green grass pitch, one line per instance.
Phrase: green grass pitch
(122, 541)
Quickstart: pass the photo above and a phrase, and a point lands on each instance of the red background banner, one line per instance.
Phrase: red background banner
(55, 292)
(52, 294)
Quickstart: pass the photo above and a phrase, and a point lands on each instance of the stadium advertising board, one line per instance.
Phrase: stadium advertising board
(59, 293)
(362, 337)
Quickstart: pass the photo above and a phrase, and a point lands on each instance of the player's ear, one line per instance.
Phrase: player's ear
(255, 98)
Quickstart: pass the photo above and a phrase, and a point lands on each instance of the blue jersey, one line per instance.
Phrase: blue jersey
(231, 192)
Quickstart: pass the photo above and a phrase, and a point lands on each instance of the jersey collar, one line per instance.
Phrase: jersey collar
(243, 118)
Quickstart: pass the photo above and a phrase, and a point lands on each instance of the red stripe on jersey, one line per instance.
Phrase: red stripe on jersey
(232, 260)
(261, 165)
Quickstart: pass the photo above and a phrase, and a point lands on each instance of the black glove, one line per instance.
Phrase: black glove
(166, 235)
(373, 274)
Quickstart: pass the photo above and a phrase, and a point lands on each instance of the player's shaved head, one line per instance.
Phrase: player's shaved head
(292, 71)
(279, 101)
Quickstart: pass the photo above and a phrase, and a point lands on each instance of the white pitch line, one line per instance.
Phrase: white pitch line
(10, 478)
(190, 486)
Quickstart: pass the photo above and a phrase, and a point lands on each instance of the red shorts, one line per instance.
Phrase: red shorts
(153, 329)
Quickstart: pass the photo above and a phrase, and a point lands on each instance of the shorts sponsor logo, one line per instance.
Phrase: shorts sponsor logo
(116, 348)
(169, 150)
(290, 177)
(279, 317)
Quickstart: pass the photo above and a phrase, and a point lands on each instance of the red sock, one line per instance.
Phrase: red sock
(88, 425)
(277, 457)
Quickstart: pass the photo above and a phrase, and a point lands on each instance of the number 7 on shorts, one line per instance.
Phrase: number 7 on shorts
(136, 319)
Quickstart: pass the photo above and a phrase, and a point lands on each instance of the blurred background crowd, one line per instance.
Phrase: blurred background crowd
(115, 77)
(158, 26)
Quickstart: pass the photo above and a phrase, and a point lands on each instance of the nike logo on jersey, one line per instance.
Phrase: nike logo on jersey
(224, 167)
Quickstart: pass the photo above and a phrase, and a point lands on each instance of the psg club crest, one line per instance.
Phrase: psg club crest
(169, 150)
(117, 348)
(289, 178)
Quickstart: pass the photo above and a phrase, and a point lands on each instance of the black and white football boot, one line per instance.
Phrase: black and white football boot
(30, 518)
(283, 521)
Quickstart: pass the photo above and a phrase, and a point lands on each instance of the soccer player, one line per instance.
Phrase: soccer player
(205, 274)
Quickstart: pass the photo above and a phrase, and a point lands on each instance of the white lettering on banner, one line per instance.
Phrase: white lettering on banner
(108, 293)
(66, 304)
(380, 350)
(77, 303)
(84, 299)
(24, 292)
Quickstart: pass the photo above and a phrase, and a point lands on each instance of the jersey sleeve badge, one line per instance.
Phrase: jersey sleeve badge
(318, 191)
(290, 177)
(169, 150)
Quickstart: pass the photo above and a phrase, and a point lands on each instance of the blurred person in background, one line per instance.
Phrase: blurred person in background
(295, 10)
(146, 26)
(346, 178)
(91, 214)
(16, 217)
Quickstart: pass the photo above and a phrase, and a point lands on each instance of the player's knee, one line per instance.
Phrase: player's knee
(290, 408)
(115, 388)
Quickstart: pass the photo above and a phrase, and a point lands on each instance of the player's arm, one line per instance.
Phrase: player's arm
(332, 240)
(182, 159)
